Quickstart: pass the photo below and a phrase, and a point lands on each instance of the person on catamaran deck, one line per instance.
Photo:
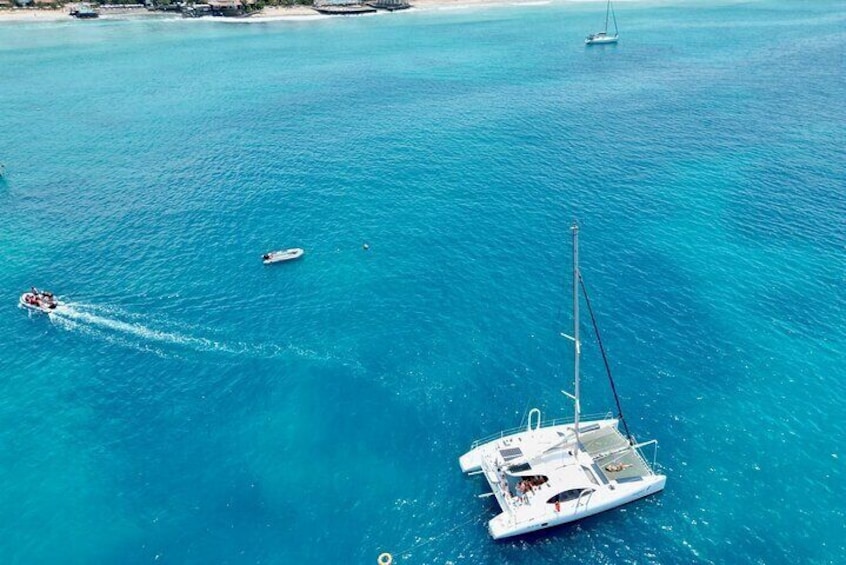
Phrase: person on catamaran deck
(616, 467)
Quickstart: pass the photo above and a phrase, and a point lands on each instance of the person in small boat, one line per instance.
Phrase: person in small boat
(266, 256)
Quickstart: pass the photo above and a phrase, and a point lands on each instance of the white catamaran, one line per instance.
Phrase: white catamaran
(602, 36)
(557, 472)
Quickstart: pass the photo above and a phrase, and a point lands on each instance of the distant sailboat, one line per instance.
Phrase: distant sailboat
(602, 37)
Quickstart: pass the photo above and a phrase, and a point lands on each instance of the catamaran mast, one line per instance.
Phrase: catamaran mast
(576, 345)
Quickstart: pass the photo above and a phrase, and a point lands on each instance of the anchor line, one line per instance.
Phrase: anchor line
(442, 534)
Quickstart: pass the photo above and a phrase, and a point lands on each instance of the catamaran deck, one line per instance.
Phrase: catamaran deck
(610, 450)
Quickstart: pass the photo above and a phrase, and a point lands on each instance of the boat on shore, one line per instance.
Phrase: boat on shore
(551, 473)
(39, 301)
(389, 5)
(602, 37)
(84, 11)
(328, 9)
(281, 256)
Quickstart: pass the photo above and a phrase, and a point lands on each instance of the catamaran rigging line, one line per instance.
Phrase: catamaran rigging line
(605, 360)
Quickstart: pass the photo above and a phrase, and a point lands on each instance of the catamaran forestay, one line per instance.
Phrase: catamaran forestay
(548, 474)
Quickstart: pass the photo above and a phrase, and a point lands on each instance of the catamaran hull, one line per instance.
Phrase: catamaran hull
(548, 450)
(471, 462)
(502, 526)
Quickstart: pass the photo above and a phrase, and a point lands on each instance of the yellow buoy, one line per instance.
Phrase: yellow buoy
(385, 559)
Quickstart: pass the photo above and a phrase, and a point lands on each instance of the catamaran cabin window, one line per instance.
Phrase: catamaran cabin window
(565, 496)
(522, 468)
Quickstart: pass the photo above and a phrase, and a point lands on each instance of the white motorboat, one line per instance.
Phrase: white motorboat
(551, 473)
(41, 301)
(603, 37)
(279, 256)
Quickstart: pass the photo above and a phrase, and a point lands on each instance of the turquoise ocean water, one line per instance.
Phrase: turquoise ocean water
(197, 407)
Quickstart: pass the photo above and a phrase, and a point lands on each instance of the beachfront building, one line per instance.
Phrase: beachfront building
(231, 8)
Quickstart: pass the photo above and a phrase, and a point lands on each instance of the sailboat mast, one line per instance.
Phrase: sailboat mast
(614, 16)
(576, 344)
(607, 10)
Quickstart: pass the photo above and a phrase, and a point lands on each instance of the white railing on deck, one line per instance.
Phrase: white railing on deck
(544, 424)
(638, 451)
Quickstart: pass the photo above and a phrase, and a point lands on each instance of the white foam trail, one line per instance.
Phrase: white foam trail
(75, 313)
(71, 325)
(125, 328)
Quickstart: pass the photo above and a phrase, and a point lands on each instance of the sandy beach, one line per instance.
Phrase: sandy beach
(29, 15)
(48, 14)
(282, 12)
(269, 13)
(274, 12)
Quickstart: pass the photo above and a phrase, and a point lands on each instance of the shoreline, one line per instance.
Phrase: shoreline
(270, 13)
